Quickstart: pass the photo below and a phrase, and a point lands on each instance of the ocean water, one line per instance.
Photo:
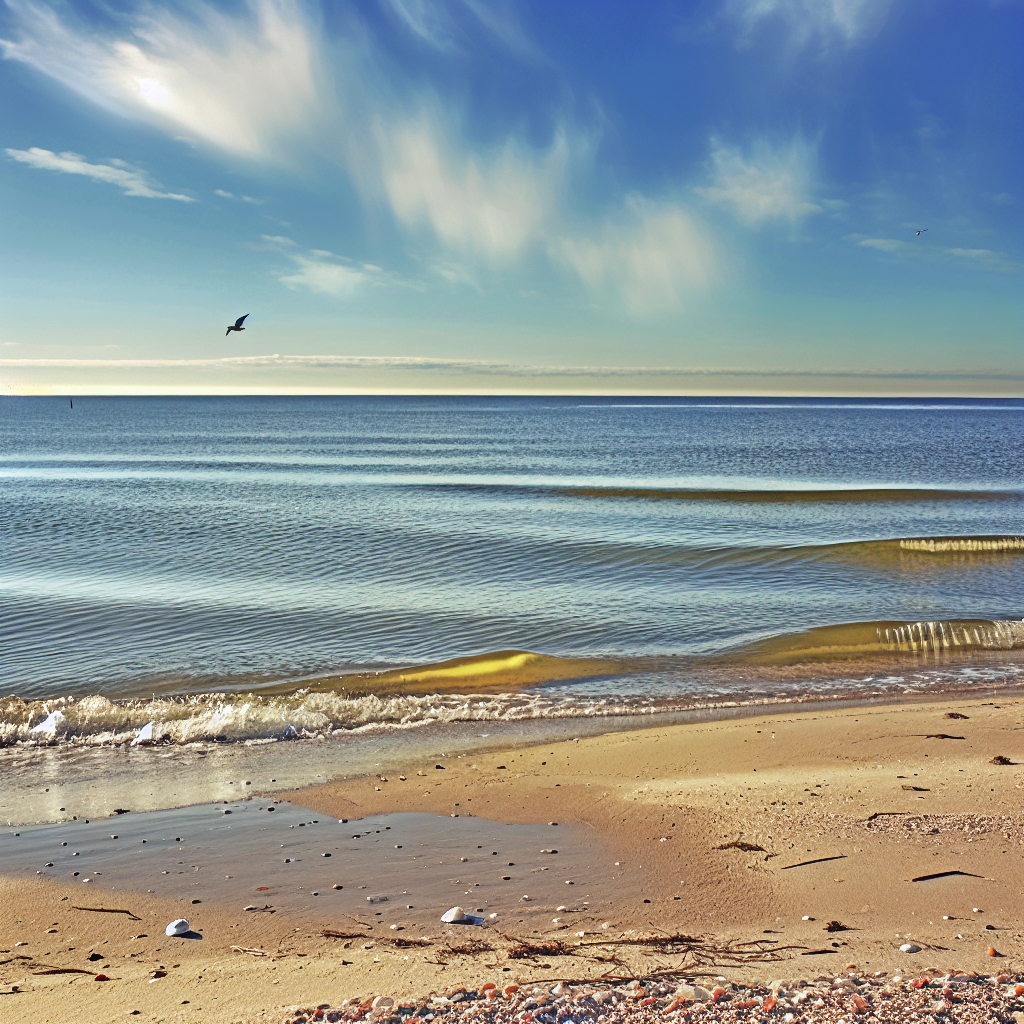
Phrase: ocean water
(203, 563)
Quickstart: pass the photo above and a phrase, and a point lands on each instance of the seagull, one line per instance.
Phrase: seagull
(918, 233)
(238, 324)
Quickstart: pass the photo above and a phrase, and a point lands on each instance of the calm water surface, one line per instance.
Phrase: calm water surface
(189, 544)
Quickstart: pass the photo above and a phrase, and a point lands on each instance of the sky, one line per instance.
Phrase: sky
(487, 196)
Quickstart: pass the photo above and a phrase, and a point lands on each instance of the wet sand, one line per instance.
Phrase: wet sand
(848, 806)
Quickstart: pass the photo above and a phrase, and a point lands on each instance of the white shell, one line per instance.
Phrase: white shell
(909, 947)
(144, 735)
(178, 927)
(454, 916)
(49, 726)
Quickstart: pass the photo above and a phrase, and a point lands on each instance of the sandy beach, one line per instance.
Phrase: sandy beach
(804, 835)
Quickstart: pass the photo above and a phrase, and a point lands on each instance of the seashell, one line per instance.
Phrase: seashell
(49, 726)
(177, 927)
(144, 735)
(909, 947)
(454, 916)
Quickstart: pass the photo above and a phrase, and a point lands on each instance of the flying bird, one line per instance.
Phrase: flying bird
(918, 233)
(237, 326)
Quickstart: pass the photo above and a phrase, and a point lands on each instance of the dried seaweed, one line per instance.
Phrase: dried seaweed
(525, 949)
(739, 844)
(471, 947)
(330, 933)
(837, 926)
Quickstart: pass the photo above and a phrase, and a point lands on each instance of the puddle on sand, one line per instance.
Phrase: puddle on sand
(256, 857)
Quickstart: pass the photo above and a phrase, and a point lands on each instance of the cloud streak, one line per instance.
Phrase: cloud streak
(988, 259)
(131, 181)
(498, 368)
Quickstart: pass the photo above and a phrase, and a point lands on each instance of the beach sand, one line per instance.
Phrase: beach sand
(843, 808)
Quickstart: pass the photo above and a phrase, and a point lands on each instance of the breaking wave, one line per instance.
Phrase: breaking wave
(860, 639)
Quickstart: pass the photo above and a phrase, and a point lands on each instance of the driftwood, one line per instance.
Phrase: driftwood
(820, 860)
(48, 969)
(108, 910)
(330, 933)
(249, 950)
(944, 874)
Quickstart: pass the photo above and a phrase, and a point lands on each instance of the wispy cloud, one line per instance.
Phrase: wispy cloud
(246, 85)
(444, 25)
(327, 276)
(230, 195)
(882, 244)
(492, 205)
(651, 256)
(824, 22)
(253, 85)
(131, 181)
(770, 183)
(987, 259)
(321, 271)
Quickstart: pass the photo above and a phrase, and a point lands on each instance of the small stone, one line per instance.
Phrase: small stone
(910, 947)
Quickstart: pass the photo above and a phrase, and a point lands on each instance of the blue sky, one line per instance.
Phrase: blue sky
(408, 195)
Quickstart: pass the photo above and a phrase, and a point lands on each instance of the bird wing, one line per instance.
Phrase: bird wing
(228, 331)
(238, 322)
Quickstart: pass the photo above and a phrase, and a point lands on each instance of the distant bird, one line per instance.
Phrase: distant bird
(918, 233)
(238, 323)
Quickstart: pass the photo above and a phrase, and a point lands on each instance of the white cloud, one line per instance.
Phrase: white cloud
(493, 206)
(223, 194)
(651, 256)
(117, 172)
(246, 85)
(325, 277)
(770, 184)
(825, 21)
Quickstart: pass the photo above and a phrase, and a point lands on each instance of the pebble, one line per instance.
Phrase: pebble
(963, 998)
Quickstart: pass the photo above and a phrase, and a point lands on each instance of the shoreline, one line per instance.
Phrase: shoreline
(88, 780)
(669, 803)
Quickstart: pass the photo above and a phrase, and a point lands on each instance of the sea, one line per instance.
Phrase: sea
(315, 584)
